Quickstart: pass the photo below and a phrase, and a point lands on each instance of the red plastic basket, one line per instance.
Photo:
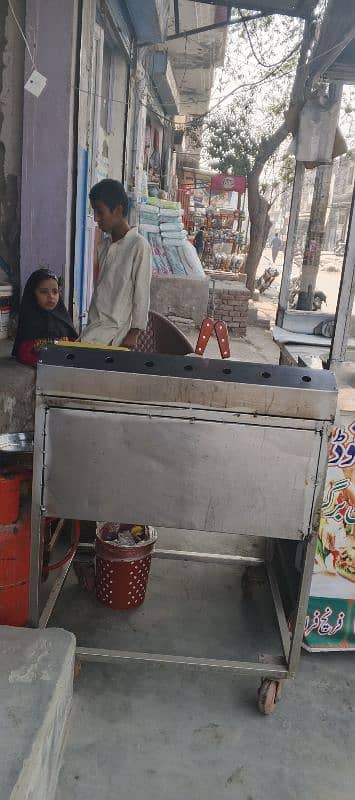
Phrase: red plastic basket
(122, 572)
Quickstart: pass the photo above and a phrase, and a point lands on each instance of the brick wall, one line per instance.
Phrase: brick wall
(230, 305)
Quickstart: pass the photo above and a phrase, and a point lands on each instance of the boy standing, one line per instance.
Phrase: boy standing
(120, 302)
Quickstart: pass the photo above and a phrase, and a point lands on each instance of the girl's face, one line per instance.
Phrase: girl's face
(47, 294)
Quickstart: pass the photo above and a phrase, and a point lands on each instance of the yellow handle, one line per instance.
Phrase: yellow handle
(89, 346)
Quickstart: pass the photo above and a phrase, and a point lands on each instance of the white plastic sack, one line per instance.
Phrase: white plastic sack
(191, 259)
(316, 132)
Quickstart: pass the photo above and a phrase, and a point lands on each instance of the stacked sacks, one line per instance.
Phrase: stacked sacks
(148, 219)
(171, 227)
(160, 222)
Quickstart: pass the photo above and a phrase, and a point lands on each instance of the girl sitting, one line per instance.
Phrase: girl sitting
(43, 317)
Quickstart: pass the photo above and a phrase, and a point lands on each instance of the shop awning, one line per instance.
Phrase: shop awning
(149, 20)
(164, 82)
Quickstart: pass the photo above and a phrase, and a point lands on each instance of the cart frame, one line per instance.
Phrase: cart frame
(271, 668)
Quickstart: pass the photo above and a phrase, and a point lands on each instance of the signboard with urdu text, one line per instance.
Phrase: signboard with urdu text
(330, 621)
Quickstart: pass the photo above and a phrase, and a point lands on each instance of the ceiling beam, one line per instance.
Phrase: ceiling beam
(215, 25)
(299, 10)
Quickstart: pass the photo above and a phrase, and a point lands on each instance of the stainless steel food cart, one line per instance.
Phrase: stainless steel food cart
(143, 437)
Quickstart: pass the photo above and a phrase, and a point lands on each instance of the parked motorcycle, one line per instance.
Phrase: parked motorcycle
(318, 298)
(266, 279)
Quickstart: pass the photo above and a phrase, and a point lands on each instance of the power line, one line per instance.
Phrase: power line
(262, 63)
(151, 108)
(233, 91)
(262, 80)
(22, 33)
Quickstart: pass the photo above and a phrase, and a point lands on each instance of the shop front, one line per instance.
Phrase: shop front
(103, 122)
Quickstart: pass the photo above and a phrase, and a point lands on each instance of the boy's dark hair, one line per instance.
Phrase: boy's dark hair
(111, 193)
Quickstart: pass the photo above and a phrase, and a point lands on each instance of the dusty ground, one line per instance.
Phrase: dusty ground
(328, 278)
(257, 346)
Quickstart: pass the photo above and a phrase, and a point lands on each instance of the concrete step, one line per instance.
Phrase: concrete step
(36, 689)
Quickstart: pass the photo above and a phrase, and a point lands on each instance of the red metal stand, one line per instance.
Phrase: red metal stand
(206, 331)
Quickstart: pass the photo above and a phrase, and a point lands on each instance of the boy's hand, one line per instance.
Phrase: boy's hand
(131, 339)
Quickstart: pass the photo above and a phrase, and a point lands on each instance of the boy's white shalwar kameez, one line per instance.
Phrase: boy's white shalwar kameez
(122, 293)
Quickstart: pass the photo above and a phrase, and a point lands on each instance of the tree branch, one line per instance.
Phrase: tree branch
(299, 95)
(262, 63)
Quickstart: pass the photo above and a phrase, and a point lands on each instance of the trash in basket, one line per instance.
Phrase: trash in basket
(123, 557)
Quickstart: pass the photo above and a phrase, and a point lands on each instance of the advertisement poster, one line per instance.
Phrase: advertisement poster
(330, 621)
(229, 183)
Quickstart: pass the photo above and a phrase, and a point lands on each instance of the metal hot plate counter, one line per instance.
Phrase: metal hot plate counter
(191, 444)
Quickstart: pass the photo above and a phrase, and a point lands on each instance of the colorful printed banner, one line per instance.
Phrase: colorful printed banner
(330, 621)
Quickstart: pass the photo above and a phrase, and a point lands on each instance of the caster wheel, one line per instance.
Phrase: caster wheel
(268, 695)
(77, 668)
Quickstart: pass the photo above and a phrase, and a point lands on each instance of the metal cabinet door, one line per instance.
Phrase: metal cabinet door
(195, 475)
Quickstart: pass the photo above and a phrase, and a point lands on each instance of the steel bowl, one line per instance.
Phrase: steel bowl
(18, 443)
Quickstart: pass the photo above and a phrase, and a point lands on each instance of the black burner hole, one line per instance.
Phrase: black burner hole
(306, 378)
(266, 374)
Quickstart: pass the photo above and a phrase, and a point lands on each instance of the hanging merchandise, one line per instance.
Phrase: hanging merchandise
(154, 160)
(144, 185)
(5, 309)
(223, 239)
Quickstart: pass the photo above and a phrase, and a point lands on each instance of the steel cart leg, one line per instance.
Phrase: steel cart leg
(36, 517)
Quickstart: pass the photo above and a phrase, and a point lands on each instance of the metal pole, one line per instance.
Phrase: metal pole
(290, 244)
(177, 16)
(345, 297)
(36, 515)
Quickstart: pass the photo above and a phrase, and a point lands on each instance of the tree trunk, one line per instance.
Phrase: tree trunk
(260, 225)
(315, 236)
(258, 207)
